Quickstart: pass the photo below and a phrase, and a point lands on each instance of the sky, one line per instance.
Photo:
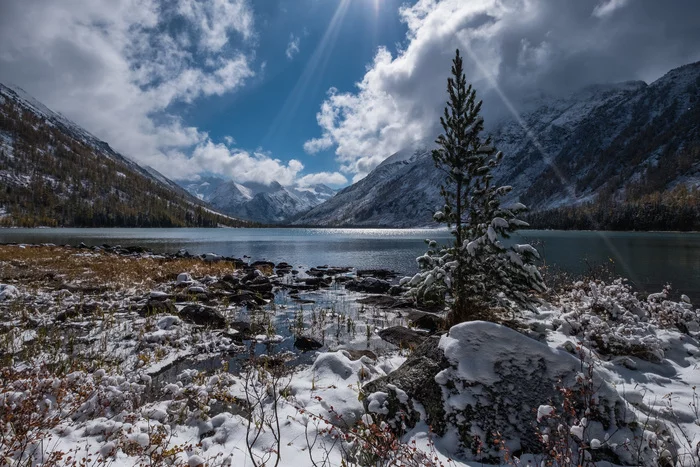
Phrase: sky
(315, 91)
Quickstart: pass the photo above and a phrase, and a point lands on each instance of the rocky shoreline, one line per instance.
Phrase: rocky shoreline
(184, 343)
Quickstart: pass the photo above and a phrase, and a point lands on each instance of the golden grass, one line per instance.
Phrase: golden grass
(70, 265)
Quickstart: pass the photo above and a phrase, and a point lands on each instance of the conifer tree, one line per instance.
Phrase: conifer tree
(477, 272)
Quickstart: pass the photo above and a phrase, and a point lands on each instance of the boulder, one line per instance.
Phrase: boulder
(305, 343)
(424, 320)
(402, 337)
(8, 292)
(483, 378)
(78, 311)
(369, 285)
(202, 315)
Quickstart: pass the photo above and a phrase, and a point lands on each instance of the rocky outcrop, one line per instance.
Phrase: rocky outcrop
(484, 379)
(402, 337)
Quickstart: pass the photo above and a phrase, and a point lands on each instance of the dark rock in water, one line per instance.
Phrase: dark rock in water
(202, 315)
(263, 265)
(315, 272)
(355, 354)
(484, 379)
(379, 273)
(135, 249)
(305, 343)
(368, 285)
(295, 272)
(157, 306)
(425, 320)
(402, 337)
(260, 284)
(77, 311)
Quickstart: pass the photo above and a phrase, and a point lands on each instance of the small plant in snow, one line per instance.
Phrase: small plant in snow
(478, 271)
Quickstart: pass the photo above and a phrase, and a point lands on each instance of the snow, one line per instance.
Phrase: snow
(8, 292)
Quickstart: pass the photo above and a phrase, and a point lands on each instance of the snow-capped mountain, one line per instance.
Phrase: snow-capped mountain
(271, 203)
(557, 152)
(54, 172)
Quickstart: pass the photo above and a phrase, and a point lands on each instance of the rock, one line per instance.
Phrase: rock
(402, 337)
(379, 273)
(251, 275)
(202, 315)
(158, 306)
(397, 290)
(369, 285)
(305, 343)
(166, 322)
(8, 292)
(184, 278)
(244, 330)
(135, 249)
(425, 320)
(211, 257)
(231, 279)
(484, 378)
(158, 295)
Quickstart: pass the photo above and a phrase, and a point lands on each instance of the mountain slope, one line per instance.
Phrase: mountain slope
(272, 203)
(608, 141)
(55, 173)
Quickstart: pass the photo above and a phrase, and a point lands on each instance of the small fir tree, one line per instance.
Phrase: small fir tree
(477, 272)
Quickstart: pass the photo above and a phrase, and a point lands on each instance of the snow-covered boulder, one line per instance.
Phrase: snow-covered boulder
(483, 378)
(8, 292)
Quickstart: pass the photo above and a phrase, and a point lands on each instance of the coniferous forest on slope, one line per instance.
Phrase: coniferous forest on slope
(53, 179)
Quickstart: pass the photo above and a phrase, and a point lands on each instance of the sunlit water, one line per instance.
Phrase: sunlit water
(649, 259)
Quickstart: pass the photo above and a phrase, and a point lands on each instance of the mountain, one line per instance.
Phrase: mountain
(55, 173)
(617, 143)
(270, 204)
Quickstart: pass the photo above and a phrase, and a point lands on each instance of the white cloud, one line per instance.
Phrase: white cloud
(117, 66)
(243, 166)
(326, 178)
(607, 7)
(292, 47)
(518, 45)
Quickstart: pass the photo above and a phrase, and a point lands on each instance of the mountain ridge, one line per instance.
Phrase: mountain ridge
(594, 142)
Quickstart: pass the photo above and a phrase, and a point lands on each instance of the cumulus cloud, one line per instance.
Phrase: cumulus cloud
(292, 47)
(519, 46)
(325, 178)
(117, 66)
(243, 166)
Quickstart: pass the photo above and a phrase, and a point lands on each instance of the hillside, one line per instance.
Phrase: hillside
(621, 146)
(54, 173)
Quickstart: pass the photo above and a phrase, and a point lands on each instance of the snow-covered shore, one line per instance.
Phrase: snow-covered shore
(188, 368)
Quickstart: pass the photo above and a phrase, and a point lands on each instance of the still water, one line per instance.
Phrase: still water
(648, 259)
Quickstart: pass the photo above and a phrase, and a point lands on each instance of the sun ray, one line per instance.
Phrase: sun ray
(312, 72)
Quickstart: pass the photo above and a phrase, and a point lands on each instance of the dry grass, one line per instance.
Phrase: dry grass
(89, 268)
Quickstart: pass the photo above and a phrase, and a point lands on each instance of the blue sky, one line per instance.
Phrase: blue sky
(315, 91)
(277, 110)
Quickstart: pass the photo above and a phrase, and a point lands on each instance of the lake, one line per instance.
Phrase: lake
(649, 259)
